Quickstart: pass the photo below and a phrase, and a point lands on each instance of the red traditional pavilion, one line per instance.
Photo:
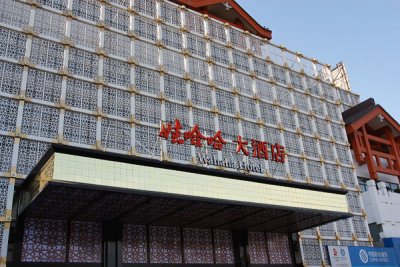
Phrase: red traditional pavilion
(375, 138)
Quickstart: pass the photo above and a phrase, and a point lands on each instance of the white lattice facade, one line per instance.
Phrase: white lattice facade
(102, 75)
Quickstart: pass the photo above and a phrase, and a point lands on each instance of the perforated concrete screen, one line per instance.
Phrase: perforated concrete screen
(103, 75)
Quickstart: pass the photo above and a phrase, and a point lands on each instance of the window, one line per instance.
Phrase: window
(147, 80)
(196, 45)
(116, 134)
(117, 18)
(83, 63)
(173, 62)
(10, 77)
(175, 88)
(146, 54)
(87, 9)
(80, 128)
(12, 44)
(147, 109)
(171, 37)
(170, 14)
(87, 35)
(219, 53)
(201, 95)
(247, 107)
(216, 31)
(47, 54)
(39, 120)
(222, 77)
(43, 85)
(241, 60)
(145, 28)
(116, 102)
(81, 94)
(116, 72)
(117, 44)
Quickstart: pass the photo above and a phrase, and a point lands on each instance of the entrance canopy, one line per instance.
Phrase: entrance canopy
(80, 184)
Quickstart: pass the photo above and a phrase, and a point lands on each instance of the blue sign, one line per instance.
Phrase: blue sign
(373, 257)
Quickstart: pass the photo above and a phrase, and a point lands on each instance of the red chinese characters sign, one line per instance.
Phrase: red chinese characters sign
(260, 149)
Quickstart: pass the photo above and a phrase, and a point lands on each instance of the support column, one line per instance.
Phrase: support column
(368, 157)
(112, 245)
(240, 247)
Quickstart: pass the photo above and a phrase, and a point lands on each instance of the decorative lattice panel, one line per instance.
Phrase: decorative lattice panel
(45, 86)
(117, 44)
(327, 230)
(49, 24)
(44, 240)
(197, 244)
(201, 95)
(29, 153)
(12, 44)
(85, 35)
(257, 248)
(360, 227)
(10, 78)
(86, 9)
(47, 54)
(81, 94)
(223, 245)
(278, 248)
(311, 251)
(79, 128)
(116, 134)
(85, 245)
(6, 149)
(147, 81)
(343, 228)
(116, 102)
(165, 245)
(144, 140)
(4, 182)
(39, 120)
(14, 13)
(134, 244)
(8, 114)
(83, 63)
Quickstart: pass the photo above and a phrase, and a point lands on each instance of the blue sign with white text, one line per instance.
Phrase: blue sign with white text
(373, 257)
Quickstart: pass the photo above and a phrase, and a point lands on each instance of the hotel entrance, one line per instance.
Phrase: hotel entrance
(87, 208)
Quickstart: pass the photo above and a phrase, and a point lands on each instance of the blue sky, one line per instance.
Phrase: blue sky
(364, 34)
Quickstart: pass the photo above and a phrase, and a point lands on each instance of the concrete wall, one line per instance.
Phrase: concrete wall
(383, 208)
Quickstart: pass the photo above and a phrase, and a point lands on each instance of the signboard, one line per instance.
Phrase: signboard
(339, 256)
(248, 148)
(342, 256)
(373, 257)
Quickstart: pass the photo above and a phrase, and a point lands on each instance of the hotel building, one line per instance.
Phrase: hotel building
(158, 133)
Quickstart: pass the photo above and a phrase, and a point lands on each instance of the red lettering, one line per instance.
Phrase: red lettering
(241, 145)
(217, 141)
(195, 136)
(278, 153)
(260, 149)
